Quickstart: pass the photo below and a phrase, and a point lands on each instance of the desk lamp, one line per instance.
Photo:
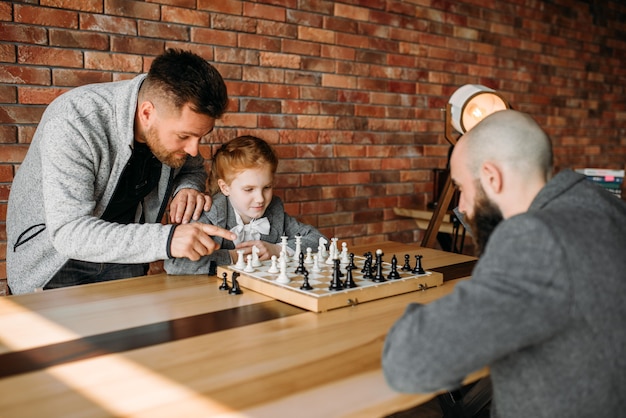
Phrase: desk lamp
(467, 106)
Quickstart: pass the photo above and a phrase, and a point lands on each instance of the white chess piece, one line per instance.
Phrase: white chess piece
(332, 254)
(283, 244)
(321, 249)
(274, 267)
(282, 276)
(240, 263)
(308, 259)
(316, 264)
(296, 254)
(255, 257)
(345, 259)
(333, 244)
(249, 267)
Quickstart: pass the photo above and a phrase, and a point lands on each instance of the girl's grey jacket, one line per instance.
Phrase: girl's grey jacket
(78, 153)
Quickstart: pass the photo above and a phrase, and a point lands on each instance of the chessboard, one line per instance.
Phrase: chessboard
(372, 280)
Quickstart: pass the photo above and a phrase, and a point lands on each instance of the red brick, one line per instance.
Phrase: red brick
(10, 32)
(111, 24)
(40, 55)
(38, 95)
(13, 153)
(233, 7)
(279, 29)
(271, 59)
(73, 78)
(8, 94)
(133, 45)
(258, 42)
(234, 23)
(130, 8)
(6, 11)
(163, 30)
(8, 135)
(78, 39)
(20, 114)
(44, 16)
(185, 16)
(94, 6)
(264, 11)
(113, 62)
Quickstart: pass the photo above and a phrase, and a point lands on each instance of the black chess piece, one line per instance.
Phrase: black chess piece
(335, 283)
(418, 265)
(351, 264)
(378, 277)
(407, 263)
(367, 269)
(235, 290)
(350, 283)
(212, 268)
(224, 285)
(367, 265)
(393, 274)
(306, 285)
(300, 269)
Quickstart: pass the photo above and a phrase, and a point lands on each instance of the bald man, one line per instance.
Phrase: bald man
(544, 308)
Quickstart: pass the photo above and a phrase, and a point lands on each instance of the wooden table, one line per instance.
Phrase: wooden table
(165, 346)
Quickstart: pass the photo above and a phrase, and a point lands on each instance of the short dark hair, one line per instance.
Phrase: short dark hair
(186, 78)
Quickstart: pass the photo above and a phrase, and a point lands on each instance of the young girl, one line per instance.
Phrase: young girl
(241, 179)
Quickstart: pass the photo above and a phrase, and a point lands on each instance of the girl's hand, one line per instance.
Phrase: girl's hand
(266, 250)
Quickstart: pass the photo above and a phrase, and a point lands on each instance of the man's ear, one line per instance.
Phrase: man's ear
(146, 112)
(491, 178)
(223, 187)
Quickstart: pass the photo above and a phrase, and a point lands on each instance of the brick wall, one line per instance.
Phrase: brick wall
(350, 92)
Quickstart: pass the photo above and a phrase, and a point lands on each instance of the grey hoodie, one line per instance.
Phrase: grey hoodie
(80, 149)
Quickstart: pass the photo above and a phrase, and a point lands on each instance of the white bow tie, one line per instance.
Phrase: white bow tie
(251, 231)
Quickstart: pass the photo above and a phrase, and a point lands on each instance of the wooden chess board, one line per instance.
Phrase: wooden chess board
(320, 298)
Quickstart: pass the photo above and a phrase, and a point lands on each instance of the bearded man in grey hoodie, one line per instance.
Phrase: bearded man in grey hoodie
(87, 202)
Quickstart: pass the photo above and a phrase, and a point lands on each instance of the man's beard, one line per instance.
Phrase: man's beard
(151, 137)
(487, 216)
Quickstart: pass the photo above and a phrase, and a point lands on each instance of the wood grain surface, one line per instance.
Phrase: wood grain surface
(165, 346)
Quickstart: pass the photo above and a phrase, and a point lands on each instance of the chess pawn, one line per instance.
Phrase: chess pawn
(309, 256)
(418, 265)
(393, 274)
(345, 258)
(316, 264)
(282, 276)
(305, 284)
(349, 284)
(224, 285)
(274, 266)
(249, 268)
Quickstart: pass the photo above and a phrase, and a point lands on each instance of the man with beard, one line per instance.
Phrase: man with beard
(87, 202)
(544, 308)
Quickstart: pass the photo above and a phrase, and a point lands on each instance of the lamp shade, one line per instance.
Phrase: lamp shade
(471, 103)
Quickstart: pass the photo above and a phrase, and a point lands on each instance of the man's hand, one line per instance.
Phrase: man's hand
(194, 240)
(188, 204)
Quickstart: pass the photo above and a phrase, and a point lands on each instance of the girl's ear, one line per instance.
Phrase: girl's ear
(223, 187)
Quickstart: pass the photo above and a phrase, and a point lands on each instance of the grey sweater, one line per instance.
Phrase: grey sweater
(544, 309)
(222, 214)
(68, 177)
